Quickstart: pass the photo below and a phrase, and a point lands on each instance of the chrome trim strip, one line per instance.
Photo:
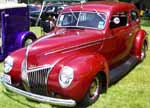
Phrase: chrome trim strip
(40, 98)
(39, 68)
(80, 45)
(28, 47)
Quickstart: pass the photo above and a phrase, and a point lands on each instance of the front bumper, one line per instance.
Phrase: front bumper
(40, 98)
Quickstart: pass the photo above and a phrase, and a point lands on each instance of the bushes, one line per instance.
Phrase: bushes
(145, 21)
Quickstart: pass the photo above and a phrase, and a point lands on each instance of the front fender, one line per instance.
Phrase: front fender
(22, 36)
(86, 67)
(138, 42)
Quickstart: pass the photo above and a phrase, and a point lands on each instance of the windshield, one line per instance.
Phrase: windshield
(82, 19)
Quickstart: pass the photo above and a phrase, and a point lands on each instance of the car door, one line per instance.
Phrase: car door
(119, 32)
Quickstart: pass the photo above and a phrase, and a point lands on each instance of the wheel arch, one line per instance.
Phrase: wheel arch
(22, 36)
(141, 37)
(100, 67)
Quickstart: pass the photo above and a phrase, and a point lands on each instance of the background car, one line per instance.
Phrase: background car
(14, 28)
(49, 10)
(34, 11)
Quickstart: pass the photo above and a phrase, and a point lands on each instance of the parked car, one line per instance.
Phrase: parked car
(93, 45)
(48, 10)
(14, 28)
(34, 12)
(147, 13)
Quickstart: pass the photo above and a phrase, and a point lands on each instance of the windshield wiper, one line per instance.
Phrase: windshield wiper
(73, 15)
(99, 15)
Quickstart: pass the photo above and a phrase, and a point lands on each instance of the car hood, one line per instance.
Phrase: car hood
(54, 47)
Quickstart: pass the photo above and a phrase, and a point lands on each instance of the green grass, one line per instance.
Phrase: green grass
(145, 22)
(132, 91)
(37, 31)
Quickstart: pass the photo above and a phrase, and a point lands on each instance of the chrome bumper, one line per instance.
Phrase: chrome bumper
(44, 99)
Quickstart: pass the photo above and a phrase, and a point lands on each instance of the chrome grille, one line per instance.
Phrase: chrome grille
(38, 80)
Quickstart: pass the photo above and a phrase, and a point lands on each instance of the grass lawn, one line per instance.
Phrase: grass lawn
(132, 91)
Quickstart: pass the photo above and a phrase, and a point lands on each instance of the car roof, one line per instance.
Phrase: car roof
(12, 5)
(101, 6)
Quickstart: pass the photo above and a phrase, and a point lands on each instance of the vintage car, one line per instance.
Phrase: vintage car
(93, 45)
(14, 28)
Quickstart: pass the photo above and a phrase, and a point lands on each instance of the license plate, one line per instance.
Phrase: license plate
(6, 78)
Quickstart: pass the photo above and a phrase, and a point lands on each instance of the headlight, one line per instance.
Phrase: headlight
(66, 76)
(8, 64)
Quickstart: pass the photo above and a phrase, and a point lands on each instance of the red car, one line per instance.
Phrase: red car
(94, 44)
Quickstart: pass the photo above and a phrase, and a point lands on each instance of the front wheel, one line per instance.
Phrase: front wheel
(93, 92)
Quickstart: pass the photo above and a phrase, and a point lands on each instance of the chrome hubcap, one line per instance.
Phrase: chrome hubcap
(94, 89)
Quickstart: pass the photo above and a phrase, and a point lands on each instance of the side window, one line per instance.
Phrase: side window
(134, 15)
(118, 20)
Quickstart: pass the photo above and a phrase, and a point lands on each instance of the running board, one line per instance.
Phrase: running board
(118, 72)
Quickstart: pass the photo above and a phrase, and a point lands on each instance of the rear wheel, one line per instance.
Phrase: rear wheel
(93, 92)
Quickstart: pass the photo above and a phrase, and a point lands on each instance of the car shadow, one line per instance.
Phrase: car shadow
(122, 76)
